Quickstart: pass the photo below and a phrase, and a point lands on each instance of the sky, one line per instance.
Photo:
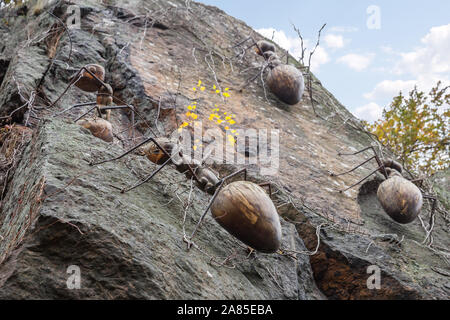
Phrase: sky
(369, 50)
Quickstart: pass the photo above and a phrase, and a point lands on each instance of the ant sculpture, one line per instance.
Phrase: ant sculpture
(242, 208)
(284, 81)
(401, 199)
(90, 78)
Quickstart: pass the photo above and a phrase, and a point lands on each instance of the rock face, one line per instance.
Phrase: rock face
(59, 214)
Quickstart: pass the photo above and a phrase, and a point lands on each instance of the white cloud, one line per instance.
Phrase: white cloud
(357, 62)
(431, 58)
(424, 66)
(293, 44)
(334, 41)
(388, 89)
(369, 112)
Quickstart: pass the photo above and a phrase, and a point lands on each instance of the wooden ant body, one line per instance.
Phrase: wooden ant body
(401, 199)
(242, 208)
(284, 81)
(90, 78)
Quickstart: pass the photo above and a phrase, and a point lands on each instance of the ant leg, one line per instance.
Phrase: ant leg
(131, 150)
(269, 185)
(433, 206)
(77, 106)
(148, 178)
(360, 165)
(86, 113)
(218, 186)
(357, 152)
(74, 80)
(132, 115)
(377, 158)
(362, 180)
(235, 174)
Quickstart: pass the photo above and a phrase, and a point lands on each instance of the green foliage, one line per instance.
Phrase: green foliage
(11, 2)
(416, 129)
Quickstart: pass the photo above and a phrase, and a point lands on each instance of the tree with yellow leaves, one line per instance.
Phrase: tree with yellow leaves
(416, 129)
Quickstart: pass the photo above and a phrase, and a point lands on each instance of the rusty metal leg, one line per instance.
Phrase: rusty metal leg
(131, 150)
(148, 178)
(77, 106)
(218, 188)
(269, 185)
(86, 113)
(362, 180)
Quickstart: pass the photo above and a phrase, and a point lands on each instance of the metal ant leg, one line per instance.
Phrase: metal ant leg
(218, 188)
(148, 178)
(269, 185)
(75, 80)
(122, 107)
(131, 150)
(433, 206)
(77, 106)
(362, 180)
(86, 113)
(357, 152)
(360, 165)
(377, 158)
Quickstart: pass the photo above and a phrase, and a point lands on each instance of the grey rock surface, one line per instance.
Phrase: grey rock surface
(59, 211)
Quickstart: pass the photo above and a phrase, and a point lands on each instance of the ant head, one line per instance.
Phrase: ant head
(155, 154)
(269, 54)
(264, 46)
(274, 61)
(87, 80)
(394, 165)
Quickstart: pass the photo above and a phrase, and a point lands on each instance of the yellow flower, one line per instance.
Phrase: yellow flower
(195, 148)
(194, 116)
(226, 95)
(202, 88)
(194, 89)
(228, 118)
(217, 91)
(227, 128)
(226, 89)
(189, 107)
(199, 83)
(214, 87)
(231, 122)
(188, 114)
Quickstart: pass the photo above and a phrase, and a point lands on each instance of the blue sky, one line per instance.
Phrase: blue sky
(362, 65)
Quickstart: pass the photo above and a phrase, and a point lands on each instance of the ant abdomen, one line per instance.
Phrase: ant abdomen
(400, 198)
(287, 83)
(246, 211)
(87, 82)
(98, 127)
